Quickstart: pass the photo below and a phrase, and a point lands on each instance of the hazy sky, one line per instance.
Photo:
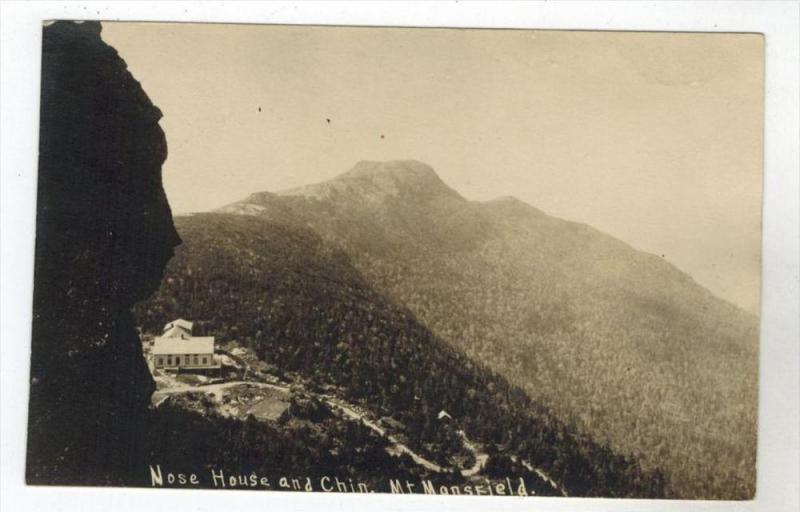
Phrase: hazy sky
(653, 138)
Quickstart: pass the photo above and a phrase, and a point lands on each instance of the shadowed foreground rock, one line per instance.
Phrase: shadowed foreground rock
(104, 236)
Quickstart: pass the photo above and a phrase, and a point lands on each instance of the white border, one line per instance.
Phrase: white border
(778, 433)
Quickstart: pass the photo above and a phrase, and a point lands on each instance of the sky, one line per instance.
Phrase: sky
(654, 138)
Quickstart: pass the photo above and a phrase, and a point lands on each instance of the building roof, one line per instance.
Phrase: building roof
(443, 414)
(185, 345)
(180, 322)
(176, 332)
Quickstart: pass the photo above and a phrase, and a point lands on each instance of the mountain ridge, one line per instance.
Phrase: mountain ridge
(619, 342)
(412, 175)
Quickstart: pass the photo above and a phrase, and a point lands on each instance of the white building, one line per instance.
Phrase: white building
(177, 349)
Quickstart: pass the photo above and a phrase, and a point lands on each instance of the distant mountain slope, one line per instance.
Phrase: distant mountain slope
(301, 306)
(619, 343)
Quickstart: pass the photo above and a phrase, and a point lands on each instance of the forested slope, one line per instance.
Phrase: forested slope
(620, 344)
(302, 306)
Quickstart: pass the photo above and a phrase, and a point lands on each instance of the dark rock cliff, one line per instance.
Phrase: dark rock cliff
(104, 236)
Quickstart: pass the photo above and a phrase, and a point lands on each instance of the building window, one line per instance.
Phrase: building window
(169, 360)
(205, 360)
(195, 359)
(160, 361)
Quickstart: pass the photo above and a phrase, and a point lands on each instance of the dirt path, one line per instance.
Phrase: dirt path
(480, 457)
(396, 448)
(541, 474)
(216, 390)
(352, 412)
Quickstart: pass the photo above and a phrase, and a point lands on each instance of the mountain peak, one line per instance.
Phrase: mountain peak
(407, 168)
(374, 181)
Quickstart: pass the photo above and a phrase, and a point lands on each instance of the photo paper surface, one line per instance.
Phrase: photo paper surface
(397, 260)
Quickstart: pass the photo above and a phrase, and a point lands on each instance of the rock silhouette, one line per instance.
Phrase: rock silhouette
(104, 236)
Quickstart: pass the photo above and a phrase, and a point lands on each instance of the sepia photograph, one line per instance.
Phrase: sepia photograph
(397, 260)
(272, 255)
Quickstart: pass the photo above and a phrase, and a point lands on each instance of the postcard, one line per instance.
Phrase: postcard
(397, 260)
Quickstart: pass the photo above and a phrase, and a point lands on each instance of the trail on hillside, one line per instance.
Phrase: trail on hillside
(168, 386)
(354, 413)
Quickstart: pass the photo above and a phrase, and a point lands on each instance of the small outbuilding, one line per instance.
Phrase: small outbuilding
(444, 415)
(177, 328)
